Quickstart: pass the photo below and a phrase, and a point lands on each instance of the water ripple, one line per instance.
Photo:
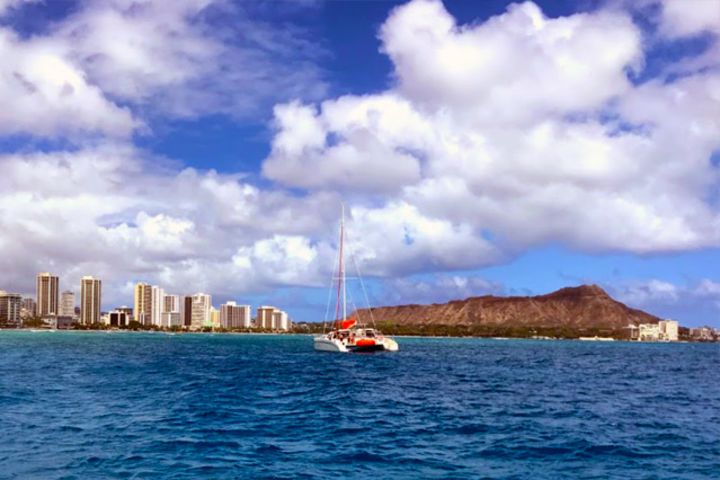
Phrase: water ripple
(80, 405)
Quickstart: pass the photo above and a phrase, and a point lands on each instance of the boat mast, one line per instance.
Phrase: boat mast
(342, 235)
(341, 274)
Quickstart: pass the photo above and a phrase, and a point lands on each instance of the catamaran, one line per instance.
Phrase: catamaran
(347, 335)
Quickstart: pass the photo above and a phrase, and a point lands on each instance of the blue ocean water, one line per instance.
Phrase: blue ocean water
(89, 405)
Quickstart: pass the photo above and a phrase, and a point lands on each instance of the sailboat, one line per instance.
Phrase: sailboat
(347, 335)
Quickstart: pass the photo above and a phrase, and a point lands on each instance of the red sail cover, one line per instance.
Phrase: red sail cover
(349, 323)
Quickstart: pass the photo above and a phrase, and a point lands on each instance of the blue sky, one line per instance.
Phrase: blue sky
(480, 147)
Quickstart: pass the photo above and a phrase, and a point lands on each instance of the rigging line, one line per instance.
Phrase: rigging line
(329, 299)
(340, 274)
(355, 309)
(362, 284)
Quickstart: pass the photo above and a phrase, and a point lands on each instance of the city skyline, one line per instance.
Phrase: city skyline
(152, 307)
(479, 147)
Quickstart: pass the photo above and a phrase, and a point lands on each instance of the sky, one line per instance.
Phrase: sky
(478, 147)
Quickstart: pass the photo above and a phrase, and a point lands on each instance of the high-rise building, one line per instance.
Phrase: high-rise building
(67, 304)
(264, 317)
(668, 330)
(119, 318)
(170, 319)
(157, 297)
(234, 316)
(47, 295)
(280, 320)
(186, 311)
(214, 317)
(10, 304)
(90, 300)
(28, 308)
(128, 311)
(143, 304)
(201, 305)
(171, 303)
(170, 316)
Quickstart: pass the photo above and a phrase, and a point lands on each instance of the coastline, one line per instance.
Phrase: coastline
(308, 334)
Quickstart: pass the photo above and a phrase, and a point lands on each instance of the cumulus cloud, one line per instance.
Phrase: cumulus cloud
(680, 18)
(515, 66)
(109, 212)
(44, 94)
(304, 153)
(698, 300)
(439, 289)
(492, 138)
(110, 66)
(171, 58)
(7, 5)
(524, 127)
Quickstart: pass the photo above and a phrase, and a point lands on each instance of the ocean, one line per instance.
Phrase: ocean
(93, 405)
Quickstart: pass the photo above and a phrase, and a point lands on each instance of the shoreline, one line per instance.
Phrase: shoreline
(170, 333)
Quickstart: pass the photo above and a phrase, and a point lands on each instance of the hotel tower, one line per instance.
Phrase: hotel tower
(143, 304)
(90, 300)
(47, 295)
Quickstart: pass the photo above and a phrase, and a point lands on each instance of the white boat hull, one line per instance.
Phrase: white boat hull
(390, 345)
(324, 344)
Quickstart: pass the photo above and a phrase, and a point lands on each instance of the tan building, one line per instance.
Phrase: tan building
(143, 304)
(10, 305)
(264, 318)
(214, 317)
(234, 316)
(28, 308)
(48, 292)
(171, 303)
(669, 330)
(90, 300)
(280, 320)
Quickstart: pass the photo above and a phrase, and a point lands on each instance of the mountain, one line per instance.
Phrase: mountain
(569, 312)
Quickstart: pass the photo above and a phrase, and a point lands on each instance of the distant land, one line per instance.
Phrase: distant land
(570, 312)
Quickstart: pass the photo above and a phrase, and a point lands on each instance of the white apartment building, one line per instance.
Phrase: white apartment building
(157, 299)
(200, 316)
(280, 320)
(669, 330)
(67, 304)
(663, 331)
(170, 315)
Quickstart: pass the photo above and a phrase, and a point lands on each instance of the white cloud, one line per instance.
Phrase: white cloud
(8, 5)
(439, 289)
(166, 57)
(519, 65)
(514, 141)
(111, 66)
(44, 94)
(495, 137)
(681, 18)
(303, 154)
(399, 239)
(109, 212)
(694, 303)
